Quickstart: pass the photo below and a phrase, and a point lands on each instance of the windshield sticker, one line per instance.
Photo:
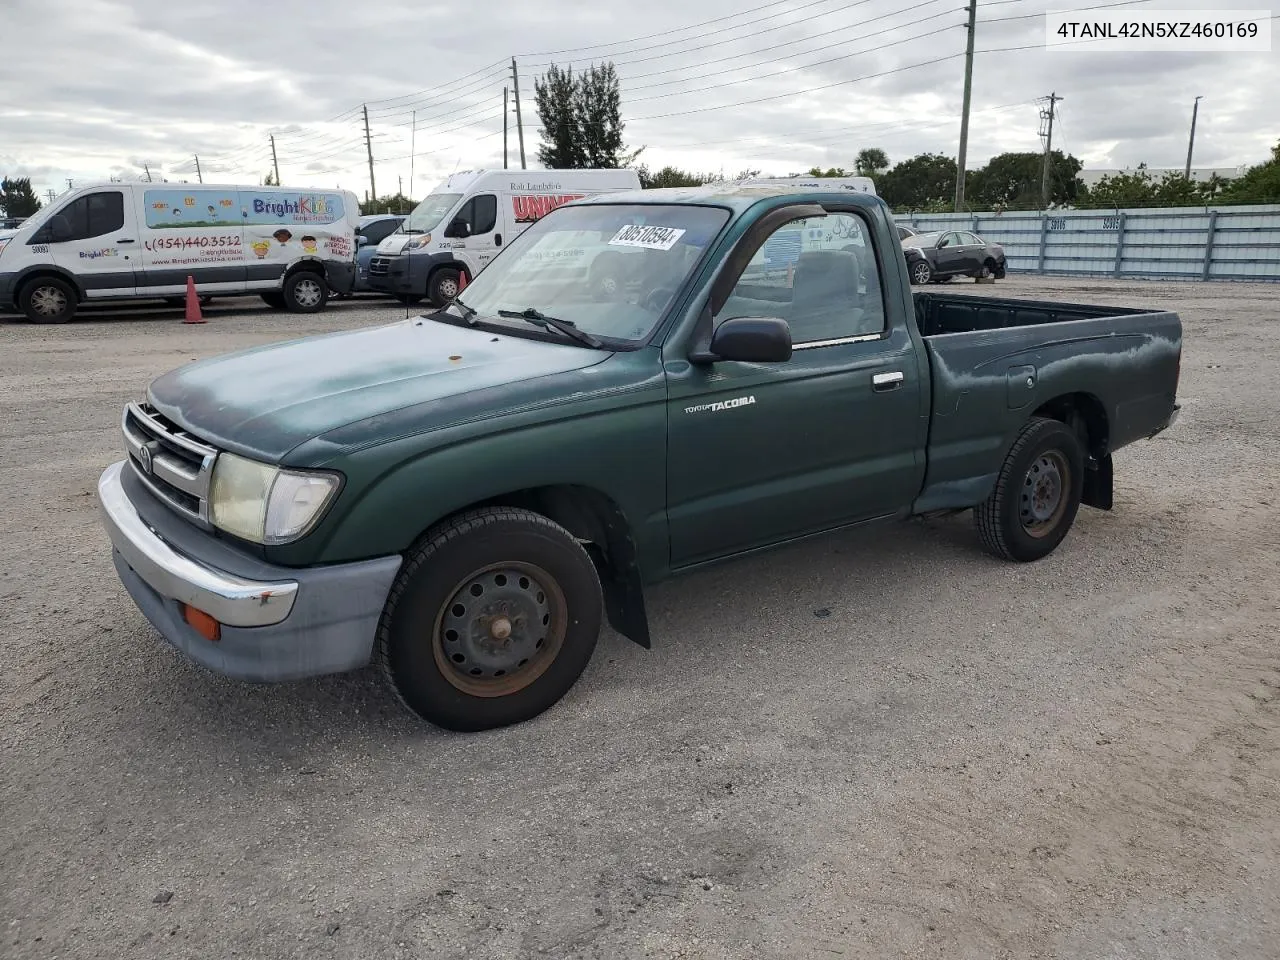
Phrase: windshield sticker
(650, 238)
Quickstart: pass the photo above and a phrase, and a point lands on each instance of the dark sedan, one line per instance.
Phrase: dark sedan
(940, 256)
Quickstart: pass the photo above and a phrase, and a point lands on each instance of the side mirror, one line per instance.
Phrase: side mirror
(59, 229)
(362, 241)
(750, 340)
(458, 228)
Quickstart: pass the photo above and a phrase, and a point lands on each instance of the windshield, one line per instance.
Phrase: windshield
(427, 215)
(921, 240)
(610, 270)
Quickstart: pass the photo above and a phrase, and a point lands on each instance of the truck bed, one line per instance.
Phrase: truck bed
(939, 313)
(995, 362)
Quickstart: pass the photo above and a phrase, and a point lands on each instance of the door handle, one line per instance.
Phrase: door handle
(497, 239)
(125, 240)
(884, 382)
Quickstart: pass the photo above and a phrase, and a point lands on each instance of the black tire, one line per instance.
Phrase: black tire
(48, 300)
(443, 286)
(920, 272)
(515, 557)
(305, 292)
(275, 299)
(999, 270)
(1024, 519)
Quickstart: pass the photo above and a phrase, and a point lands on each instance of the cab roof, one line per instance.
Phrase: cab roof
(739, 196)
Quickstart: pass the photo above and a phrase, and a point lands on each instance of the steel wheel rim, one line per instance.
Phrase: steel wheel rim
(448, 288)
(921, 272)
(48, 301)
(306, 293)
(1043, 498)
(506, 636)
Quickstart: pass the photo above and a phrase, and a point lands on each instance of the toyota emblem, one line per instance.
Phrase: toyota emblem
(144, 459)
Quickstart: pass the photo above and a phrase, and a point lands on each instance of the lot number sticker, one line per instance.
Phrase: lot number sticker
(651, 238)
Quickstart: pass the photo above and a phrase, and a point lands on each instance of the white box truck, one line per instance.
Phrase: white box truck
(119, 241)
(465, 221)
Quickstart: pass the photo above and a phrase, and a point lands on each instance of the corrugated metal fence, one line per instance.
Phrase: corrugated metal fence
(1178, 243)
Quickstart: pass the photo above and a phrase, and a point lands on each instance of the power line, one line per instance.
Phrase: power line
(1042, 13)
(808, 66)
(720, 43)
(839, 43)
(443, 93)
(501, 64)
(663, 33)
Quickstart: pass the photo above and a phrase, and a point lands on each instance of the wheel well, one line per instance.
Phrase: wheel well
(451, 265)
(307, 266)
(37, 275)
(1084, 413)
(596, 520)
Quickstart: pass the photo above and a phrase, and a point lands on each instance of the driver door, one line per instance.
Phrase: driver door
(101, 246)
(482, 237)
(759, 453)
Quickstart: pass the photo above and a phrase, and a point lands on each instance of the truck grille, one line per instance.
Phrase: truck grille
(379, 266)
(174, 465)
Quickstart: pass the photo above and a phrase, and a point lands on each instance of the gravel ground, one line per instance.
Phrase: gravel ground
(884, 744)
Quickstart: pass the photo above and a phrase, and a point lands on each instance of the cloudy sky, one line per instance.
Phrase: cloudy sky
(99, 88)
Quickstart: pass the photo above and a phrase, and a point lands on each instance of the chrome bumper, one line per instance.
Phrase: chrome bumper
(230, 600)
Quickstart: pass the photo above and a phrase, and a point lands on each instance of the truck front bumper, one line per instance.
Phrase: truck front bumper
(275, 623)
(405, 273)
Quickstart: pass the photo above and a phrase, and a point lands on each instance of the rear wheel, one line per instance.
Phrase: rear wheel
(48, 300)
(1037, 493)
(305, 292)
(491, 621)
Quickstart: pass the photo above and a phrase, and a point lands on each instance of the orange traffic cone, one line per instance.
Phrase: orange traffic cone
(462, 280)
(193, 303)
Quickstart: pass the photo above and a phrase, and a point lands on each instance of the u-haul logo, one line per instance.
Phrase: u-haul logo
(530, 208)
(722, 405)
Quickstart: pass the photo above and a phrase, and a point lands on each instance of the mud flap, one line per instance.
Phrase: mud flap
(1098, 483)
(623, 598)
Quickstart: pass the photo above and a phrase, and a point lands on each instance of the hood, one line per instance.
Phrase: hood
(393, 243)
(264, 402)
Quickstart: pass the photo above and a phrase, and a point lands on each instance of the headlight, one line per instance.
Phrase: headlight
(266, 504)
(419, 241)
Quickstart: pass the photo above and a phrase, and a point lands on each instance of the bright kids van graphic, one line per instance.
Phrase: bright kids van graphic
(168, 209)
(260, 208)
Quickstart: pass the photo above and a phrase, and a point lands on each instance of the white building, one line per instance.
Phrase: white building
(1091, 177)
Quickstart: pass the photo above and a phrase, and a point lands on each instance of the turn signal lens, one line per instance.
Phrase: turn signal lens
(202, 623)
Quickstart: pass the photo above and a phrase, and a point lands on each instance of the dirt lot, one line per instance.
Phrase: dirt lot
(880, 745)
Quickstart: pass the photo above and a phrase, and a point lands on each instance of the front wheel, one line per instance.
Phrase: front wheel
(1037, 493)
(491, 620)
(48, 300)
(921, 272)
(305, 292)
(444, 286)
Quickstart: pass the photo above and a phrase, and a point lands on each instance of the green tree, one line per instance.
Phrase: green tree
(669, 176)
(395, 203)
(919, 182)
(581, 118)
(871, 162)
(1123, 190)
(829, 172)
(554, 96)
(270, 179)
(1014, 179)
(18, 198)
(1260, 184)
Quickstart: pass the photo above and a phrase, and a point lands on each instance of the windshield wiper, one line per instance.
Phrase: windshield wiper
(468, 312)
(540, 319)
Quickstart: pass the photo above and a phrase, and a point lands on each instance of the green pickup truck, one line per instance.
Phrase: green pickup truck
(641, 384)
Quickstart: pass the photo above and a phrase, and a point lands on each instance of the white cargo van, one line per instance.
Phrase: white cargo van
(116, 241)
(463, 223)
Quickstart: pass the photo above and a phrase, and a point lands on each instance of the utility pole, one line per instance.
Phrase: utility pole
(964, 114)
(413, 139)
(399, 193)
(515, 84)
(1192, 142)
(1046, 131)
(148, 170)
(368, 143)
(506, 109)
(275, 164)
(199, 175)
(51, 195)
